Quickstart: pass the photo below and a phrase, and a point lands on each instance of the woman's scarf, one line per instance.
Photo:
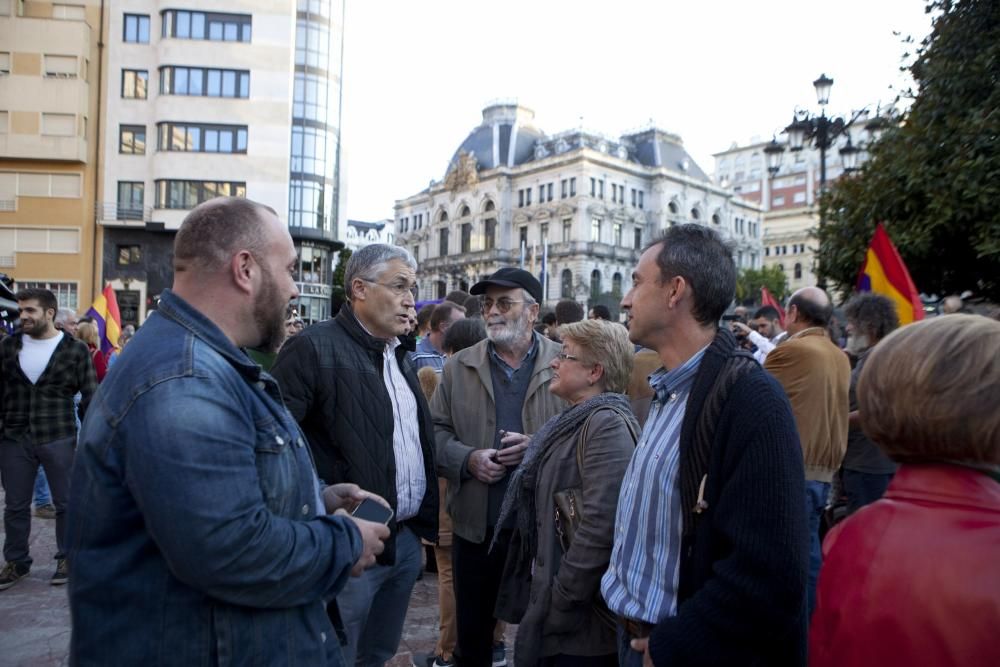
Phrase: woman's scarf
(521, 490)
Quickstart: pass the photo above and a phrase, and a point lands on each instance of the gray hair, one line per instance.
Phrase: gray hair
(370, 261)
(65, 314)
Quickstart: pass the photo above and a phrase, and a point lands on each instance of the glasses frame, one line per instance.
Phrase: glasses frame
(488, 304)
(392, 288)
(568, 357)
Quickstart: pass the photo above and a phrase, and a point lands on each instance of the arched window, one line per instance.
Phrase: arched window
(616, 285)
(489, 206)
(798, 271)
(595, 284)
(465, 212)
(567, 284)
(716, 220)
(695, 214)
(443, 217)
(672, 207)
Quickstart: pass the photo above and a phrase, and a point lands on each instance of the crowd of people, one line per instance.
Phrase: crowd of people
(648, 492)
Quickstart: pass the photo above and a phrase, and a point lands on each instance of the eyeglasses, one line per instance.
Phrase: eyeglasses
(503, 305)
(398, 288)
(567, 357)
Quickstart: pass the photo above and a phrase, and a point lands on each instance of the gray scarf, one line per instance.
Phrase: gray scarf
(521, 490)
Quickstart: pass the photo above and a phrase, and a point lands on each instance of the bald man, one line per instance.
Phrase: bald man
(198, 532)
(816, 376)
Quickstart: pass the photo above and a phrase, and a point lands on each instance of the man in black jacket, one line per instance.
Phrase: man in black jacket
(351, 385)
(708, 565)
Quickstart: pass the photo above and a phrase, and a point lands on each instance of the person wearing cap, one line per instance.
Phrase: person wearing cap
(489, 394)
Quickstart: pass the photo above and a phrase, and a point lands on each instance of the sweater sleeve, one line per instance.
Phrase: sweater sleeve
(753, 600)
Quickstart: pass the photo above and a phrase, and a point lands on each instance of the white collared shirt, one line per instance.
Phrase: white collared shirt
(411, 479)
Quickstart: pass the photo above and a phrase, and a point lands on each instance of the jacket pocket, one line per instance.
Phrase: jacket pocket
(276, 468)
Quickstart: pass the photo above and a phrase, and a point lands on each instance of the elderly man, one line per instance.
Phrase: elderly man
(198, 532)
(498, 385)
(430, 349)
(816, 376)
(709, 559)
(350, 384)
(866, 470)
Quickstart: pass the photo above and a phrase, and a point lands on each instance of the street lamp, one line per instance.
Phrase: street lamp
(822, 131)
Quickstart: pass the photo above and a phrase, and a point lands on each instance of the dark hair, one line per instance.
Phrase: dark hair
(45, 298)
(442, 313)
(601, 311)
(424, 315)
(473, 306)
(873, 315)
(767, 312)
(464, 333)
(700, 256)
(568, 311)
(216, 229)
(816, 314)
(457, 296)
(549, 319)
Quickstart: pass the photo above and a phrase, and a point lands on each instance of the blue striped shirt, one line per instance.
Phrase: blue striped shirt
(641, 581)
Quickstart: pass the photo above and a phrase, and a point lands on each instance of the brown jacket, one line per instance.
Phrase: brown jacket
(559, 618)
(816, 376)
(465, 420)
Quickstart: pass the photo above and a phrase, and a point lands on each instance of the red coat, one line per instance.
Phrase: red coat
(914, 579)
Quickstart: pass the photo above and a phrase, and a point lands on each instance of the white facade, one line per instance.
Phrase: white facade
(265, 113)
(596, 201)
(359, 233)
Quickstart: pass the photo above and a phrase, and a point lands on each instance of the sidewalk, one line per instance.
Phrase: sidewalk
(35, 625)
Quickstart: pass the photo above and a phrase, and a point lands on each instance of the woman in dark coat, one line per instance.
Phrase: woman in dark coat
(552, 589)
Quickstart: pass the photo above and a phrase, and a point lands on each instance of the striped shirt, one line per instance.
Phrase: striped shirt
(411, 480)
(641, 581)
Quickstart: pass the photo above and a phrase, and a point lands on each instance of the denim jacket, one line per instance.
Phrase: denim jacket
(195, 531)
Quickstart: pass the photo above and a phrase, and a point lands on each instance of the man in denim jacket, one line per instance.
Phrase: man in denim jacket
(198, 534)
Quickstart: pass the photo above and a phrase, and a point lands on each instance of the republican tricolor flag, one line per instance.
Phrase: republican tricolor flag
(883, 272)
(108, 320)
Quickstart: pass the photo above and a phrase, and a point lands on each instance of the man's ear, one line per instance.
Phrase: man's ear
(358, 290)
(242, 267)
(676, 289)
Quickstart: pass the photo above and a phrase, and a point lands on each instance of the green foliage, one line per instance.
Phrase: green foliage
(933, 179)
(749, 282)
(338, 272)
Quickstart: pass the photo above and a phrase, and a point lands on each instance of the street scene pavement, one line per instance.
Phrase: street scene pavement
(35, 624)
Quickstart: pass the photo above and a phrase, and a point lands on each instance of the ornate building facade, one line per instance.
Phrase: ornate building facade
(586, 203)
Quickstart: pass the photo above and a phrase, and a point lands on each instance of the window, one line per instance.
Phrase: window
(132, 139)
(307, 203)
(600, 189)
(59, 124)
(563, 189)
(465, 212)
(136, 29)
(522, 236)
(61, 67)
(199, 138)
(548, 190)
(183, 195)
(204, 82)
(490, 240)
(527, 197)
(65, 12)
(520, 198)
(635, 199)
(134, 83)
(595, 284)
(695, 214)
(799, 197)
(543, 231)
(778, 201)
(131, 198)
(797, 274)
(312, 43)
(616, 285)
(595, 230)
(567, 229)
(40, 239)
(66, 293)
(129, 254)
(467, 237)
(637, 241)
(641, 194)
(213, 26)
(442, 242)
(309, 99)
(572, 187)
(616, 230)
(34, 184)
(541, 194)
(767, 251)
(672, 207)
(593, 187)
(566, 291)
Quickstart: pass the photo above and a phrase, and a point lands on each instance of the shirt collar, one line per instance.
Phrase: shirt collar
(667, 384)
(391, 343)
(531, 352)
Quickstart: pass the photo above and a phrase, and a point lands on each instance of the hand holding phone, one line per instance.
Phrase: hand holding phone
(374, 511)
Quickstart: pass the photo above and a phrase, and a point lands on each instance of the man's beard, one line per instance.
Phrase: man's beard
(511, 333)
(269, 314)
(857, 344)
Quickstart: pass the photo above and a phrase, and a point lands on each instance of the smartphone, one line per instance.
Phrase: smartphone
(496, 455)
(371, 510)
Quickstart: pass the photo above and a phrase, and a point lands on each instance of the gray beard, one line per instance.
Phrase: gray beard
(511, 334)
(857, 344)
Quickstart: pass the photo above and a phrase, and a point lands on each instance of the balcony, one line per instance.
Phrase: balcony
(112, 212)
(594, 250)
(43, 147)
(450, 262)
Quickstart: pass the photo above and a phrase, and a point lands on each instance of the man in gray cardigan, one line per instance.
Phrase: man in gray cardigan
(497, 386)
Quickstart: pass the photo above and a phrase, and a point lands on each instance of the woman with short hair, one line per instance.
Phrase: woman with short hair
(912, 579)
(566, 492)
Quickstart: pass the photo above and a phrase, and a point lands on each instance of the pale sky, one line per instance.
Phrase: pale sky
(417, 74)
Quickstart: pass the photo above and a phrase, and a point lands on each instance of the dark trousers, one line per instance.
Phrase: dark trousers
(19, 461)
(863, 488)
(476, 572)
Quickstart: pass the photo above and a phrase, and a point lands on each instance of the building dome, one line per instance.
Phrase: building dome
(505, 138)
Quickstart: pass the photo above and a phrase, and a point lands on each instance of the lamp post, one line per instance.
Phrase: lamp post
(822, 131)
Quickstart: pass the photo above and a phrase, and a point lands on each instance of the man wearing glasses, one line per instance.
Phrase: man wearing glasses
(490, 393)
(352, 387)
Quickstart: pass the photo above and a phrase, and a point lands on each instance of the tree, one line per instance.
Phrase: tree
(933, 178)
(749, 282)
(338, 272)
